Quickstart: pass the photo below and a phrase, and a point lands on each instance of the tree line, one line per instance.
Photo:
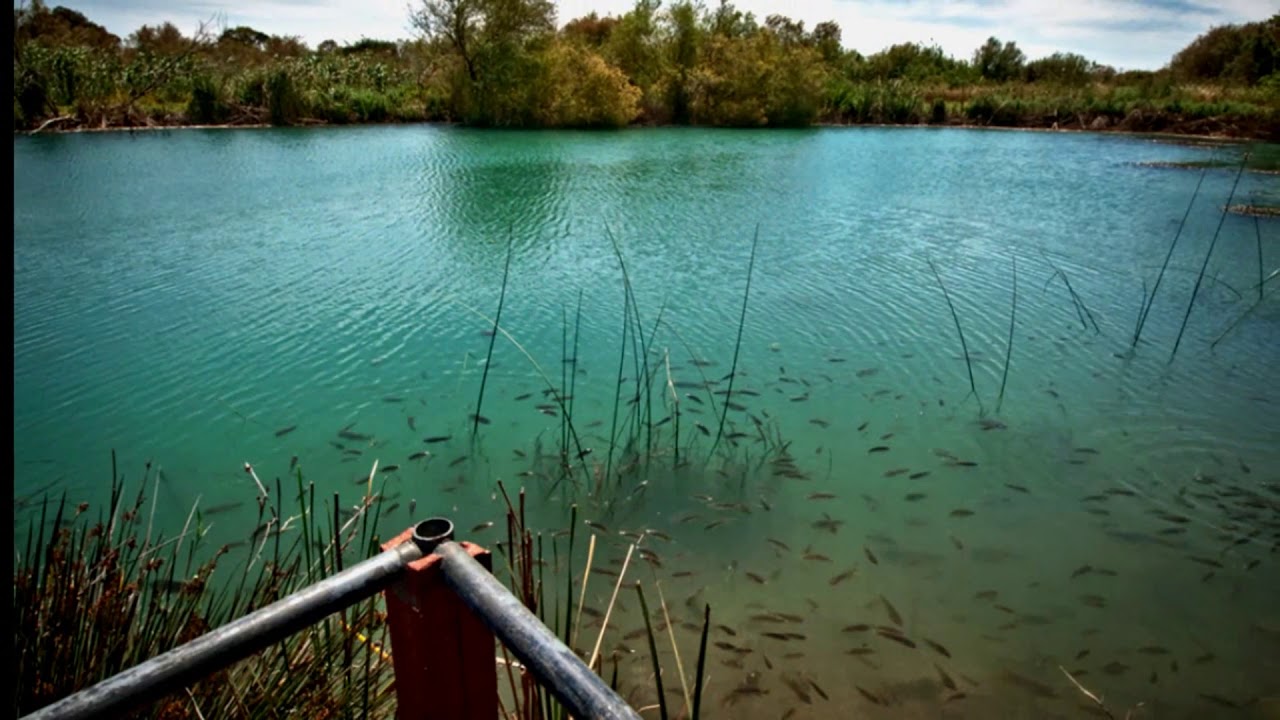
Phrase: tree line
(507, 63)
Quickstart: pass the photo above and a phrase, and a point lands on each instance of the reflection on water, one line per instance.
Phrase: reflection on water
(871, 537)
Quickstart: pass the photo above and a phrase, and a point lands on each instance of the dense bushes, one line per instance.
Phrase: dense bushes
(503, 63)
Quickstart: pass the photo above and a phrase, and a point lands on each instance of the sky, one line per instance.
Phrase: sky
(1127, 34)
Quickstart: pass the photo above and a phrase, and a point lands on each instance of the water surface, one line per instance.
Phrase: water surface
(187, 297)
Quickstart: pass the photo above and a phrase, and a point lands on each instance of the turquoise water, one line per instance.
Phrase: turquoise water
(186, 297)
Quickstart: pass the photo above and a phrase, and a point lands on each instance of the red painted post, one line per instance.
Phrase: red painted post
(444, 656)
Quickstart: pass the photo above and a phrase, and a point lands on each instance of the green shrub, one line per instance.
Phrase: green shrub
(284, 102)
(938, 114)
(207, 105)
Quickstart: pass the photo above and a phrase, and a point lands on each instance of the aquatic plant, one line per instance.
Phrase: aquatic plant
(1082, 310)
(968, 363)
(493, 338)
(94, 598)
(1147, 301)
(1212, 243)
(737, 345)
(1008, 355)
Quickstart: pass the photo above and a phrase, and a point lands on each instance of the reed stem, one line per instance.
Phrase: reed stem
(737, 346)
(1142, 320)
(1257, 229)
(493, 336)
(702, 662)
(968, 363)
(1009, 351)
(1205, 266)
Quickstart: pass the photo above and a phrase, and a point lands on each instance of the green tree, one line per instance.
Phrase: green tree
(496, 42)
(684, 43)
(1232, 53)
(787, 31)
(998, 61)
(582, 90)
(728, 21)
(633, 44)
(826, 38)
(590, 30)
(1061, 69)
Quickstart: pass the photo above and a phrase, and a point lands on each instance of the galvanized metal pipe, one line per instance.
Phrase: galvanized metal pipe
(234, 641)
(575, 685)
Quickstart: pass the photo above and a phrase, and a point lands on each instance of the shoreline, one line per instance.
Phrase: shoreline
(1177, 137)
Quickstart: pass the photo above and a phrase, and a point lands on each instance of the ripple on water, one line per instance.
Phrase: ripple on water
(323, 279)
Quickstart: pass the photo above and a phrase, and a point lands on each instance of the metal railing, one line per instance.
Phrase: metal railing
(582, 692)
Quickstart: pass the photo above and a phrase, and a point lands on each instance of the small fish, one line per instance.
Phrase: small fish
(293, 462)
(870, 696)
(816, 556)
(947, 682)
(913, 497)
(1019, 488)
(596, 526)
(863, 426)
(1086, 451)
(870, 555)
(458, 461)
(917, 475)
(226, 507)
(413, 425)
(821, 496)
(879, 449)
(893, 612)
(390, 468)
(419, 455)
(896, 637)
(757, 579)
(956, 541)
(702, 429)
(479, 418)
(896, 472)
(820, 422)
(482, 526)
(1219, 700)
(841, 578)
(887, 436)
(1096, 601)
(524, 396)
(286, 430)
(1082, 570)
(437, 439)
(779, 544)
(858, 628)
(961, 512)
(937, 647)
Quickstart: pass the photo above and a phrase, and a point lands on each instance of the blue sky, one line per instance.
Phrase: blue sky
(1129, 34)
